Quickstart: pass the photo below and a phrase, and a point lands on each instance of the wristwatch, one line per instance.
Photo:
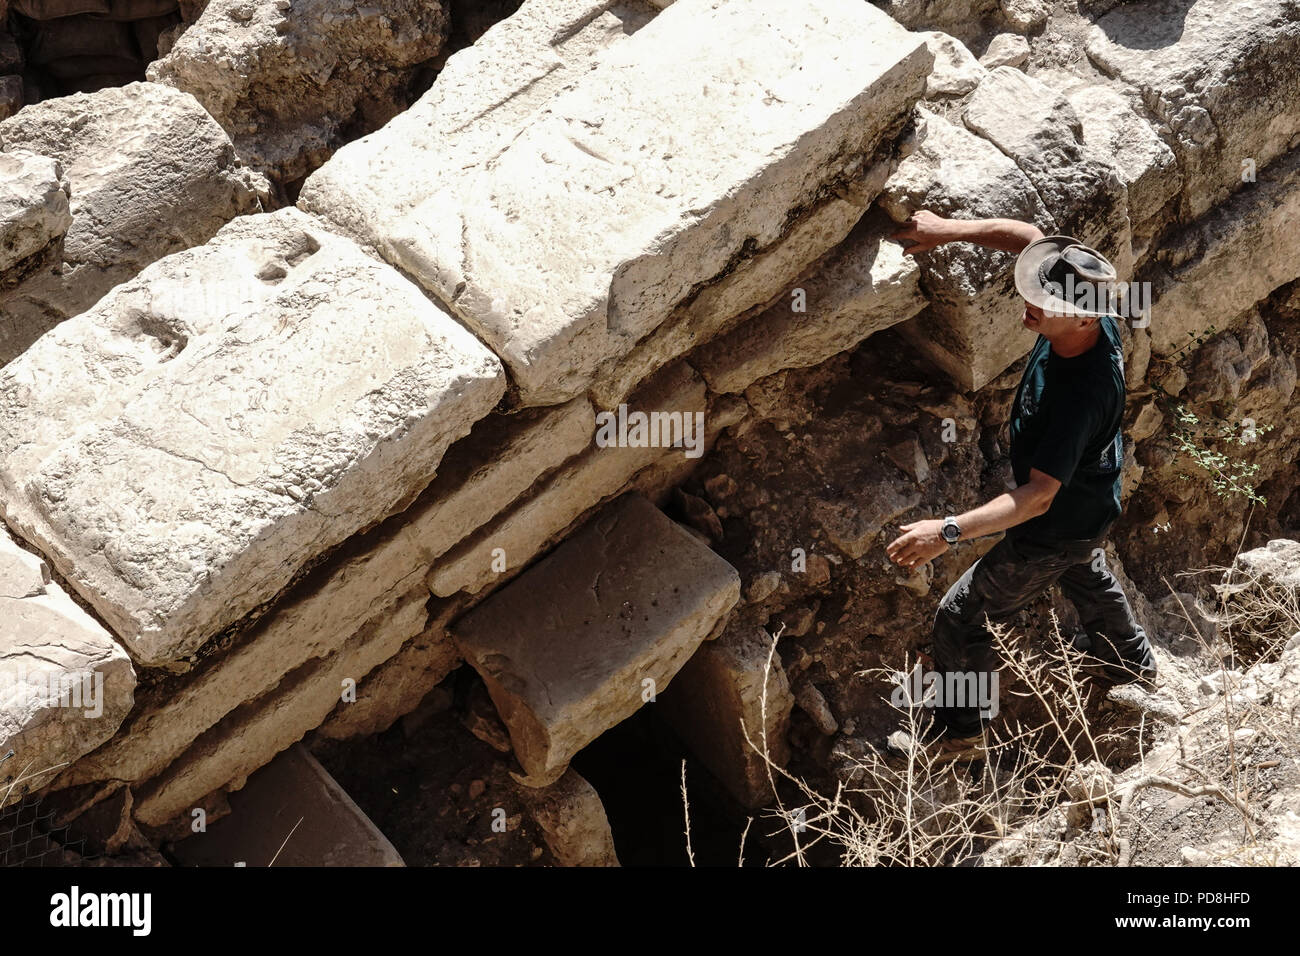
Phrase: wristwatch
(951, 530)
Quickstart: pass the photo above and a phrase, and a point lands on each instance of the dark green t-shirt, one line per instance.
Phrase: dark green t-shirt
(1066, 423)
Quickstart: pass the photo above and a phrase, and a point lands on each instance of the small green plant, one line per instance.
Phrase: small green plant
(1195, 340)
(1229, 474)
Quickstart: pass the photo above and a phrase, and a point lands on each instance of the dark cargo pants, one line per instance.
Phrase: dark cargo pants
(1010, 576)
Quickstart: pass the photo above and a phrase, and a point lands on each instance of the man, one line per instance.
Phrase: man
(1066, 454)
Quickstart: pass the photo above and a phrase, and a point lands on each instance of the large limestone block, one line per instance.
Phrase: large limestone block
(956, 71)
(491, 469)
(1112, 127)
(484, 96)
(259, 729)
(1277, 564)
(33, 212)
(567, 649)
(749, 288)
(731, 705)
(65, 684)
(1026, 15)
(865, 285)
(151, 173)
(658, 480)
(652, 220)
(480, 475)
(286, 80)
(1005, 49)
(972, 328)
(183, 449)
(294, 813)
(1037, 128)
(1239, 253)
(1264, 383)
(396, 687)
(614, 204)
(1224, 75)
(168, 719)
(572, 820)
(508, 543)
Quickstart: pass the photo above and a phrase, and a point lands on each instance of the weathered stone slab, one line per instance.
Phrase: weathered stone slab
(1005, 49)
(566, 649)
(1145, 163)
(484, 95)
(573, 821)
(480, 476)
(583, 234)
(660, 478)
(151, 173)
(33, 211)
(852, 522)
(182, 450)
(865, 285)
(283, 82)
(259, 729)
(294, 813)
(396, 687)
(730, 301)
(1037, 128)
(647, 226)
(972, 329)
(956, 71)
(1224, 76)
(499, 461)
(1277, 564)
(65, 684)
(509, 542)
(717, 705)
(1240, 252)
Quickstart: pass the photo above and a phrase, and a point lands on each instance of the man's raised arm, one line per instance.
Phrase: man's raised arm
(925, 231)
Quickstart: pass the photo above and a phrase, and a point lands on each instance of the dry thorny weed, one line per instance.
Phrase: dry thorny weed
(919, 811)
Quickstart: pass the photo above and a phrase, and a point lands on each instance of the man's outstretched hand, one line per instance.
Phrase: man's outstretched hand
(919, 542)
(925, 231)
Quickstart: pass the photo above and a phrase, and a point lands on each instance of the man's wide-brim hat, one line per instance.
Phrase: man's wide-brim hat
(1062, 275)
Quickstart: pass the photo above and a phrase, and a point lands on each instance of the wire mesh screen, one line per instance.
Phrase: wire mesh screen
(30, 837)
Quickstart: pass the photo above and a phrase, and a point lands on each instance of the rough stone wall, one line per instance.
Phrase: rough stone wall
(148, 173)
(265, 492)
(287, 81)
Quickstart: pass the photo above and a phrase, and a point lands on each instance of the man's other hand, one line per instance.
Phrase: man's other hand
(925, 231)
(919, 542)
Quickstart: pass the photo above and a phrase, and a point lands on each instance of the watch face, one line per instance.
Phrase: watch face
(951, 532)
